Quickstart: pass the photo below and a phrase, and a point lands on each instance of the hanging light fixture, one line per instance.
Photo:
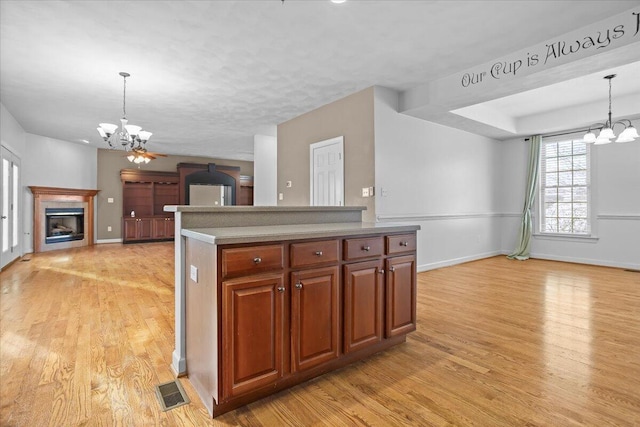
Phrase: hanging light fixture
(606, 133)
(130, 137)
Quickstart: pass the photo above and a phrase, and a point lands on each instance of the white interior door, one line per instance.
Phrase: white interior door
(9, 207)
(327, 172)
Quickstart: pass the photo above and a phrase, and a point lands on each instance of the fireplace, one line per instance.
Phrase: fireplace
(63, 218)
(64, 224)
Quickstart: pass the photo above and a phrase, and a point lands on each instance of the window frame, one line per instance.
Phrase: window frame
(539, 215)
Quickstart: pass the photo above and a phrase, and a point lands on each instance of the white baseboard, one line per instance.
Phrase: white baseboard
(100, 241)
(589, 261)
(450, 262)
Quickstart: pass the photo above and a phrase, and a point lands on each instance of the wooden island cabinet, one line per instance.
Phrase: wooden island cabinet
(266, 315)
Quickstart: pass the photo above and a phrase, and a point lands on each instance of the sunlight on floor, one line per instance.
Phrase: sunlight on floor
(567, 330)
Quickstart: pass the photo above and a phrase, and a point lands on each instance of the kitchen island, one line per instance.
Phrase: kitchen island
(268, 304)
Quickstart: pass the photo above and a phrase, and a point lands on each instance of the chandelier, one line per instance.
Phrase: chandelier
(606, 129)
(130, 137)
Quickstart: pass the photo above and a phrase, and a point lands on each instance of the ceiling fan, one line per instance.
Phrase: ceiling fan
(140, 154)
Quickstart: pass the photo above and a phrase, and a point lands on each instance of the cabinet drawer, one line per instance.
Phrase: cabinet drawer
(312, 253)
(363, 248)
(251, 260)
(401, 243)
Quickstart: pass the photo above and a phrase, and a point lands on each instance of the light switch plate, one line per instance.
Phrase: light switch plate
(365, 192)
(194, 273)
(289, 184)
(280, 196)
(110, 200)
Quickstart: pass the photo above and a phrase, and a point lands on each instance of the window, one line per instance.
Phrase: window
(564, 188)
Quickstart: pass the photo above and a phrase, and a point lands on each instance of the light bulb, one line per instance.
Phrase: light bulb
(607, 133)
(589, 137)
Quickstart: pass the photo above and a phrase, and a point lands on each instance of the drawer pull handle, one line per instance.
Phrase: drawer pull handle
(392, 269)
(405, 244)
(280, 288)
(319, 253)
(298, 285)
(257, 260)
(366, 248)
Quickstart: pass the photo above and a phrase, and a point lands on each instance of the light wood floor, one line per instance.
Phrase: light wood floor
(87, 333)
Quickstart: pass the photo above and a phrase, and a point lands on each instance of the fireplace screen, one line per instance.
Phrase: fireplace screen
(64, 224)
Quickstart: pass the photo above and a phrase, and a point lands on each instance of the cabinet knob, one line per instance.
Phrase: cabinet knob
(298, 285)
(366, 248)
(405, 244)
(280, 289)
(257, 260)
(319, 253)
(392, 269)
(381, 271)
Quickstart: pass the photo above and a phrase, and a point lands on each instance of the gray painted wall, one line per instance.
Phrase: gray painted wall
(351, 117)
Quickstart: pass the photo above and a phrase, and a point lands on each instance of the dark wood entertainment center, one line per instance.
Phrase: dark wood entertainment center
(145, 193)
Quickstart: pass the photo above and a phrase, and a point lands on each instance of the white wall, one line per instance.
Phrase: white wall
(54, 163)
(616, 198)
(265, 170)
(12, 136)
(444, 179)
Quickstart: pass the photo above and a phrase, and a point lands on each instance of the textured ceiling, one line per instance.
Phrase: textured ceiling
(208, 75)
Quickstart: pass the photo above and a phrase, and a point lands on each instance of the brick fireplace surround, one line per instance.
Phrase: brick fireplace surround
(52, 197)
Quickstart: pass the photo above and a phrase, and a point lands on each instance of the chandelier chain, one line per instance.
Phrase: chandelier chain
(124, 98)
(610, 124)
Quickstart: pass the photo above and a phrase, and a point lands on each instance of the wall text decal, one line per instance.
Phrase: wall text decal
(554, 51)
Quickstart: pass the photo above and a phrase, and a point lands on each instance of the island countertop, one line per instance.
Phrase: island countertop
(268, 233)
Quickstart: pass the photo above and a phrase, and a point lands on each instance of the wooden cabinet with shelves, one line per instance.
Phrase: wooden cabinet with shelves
(144, 195)
(288, 311)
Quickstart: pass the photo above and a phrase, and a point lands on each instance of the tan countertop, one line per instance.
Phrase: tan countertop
(269, 233)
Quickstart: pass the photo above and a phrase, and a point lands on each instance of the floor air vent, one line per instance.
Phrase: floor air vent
(171, 395)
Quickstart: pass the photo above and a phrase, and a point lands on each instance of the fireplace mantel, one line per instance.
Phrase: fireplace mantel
(46, 196)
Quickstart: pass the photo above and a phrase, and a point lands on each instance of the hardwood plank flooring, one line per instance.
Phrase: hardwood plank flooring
(86, 334)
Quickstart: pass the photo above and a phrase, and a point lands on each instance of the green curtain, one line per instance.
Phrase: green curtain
(526, 227)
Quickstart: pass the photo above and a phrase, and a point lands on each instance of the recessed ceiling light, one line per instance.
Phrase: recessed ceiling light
(85, 141)
(338, 1)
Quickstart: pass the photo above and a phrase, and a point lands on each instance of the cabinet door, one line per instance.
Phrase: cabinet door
(163, 228)
(400, 295)
(159, 228)
(252, 333)
(130, 229)
(145, 228)
(170, 228)
(363, 304)
(314, 317)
